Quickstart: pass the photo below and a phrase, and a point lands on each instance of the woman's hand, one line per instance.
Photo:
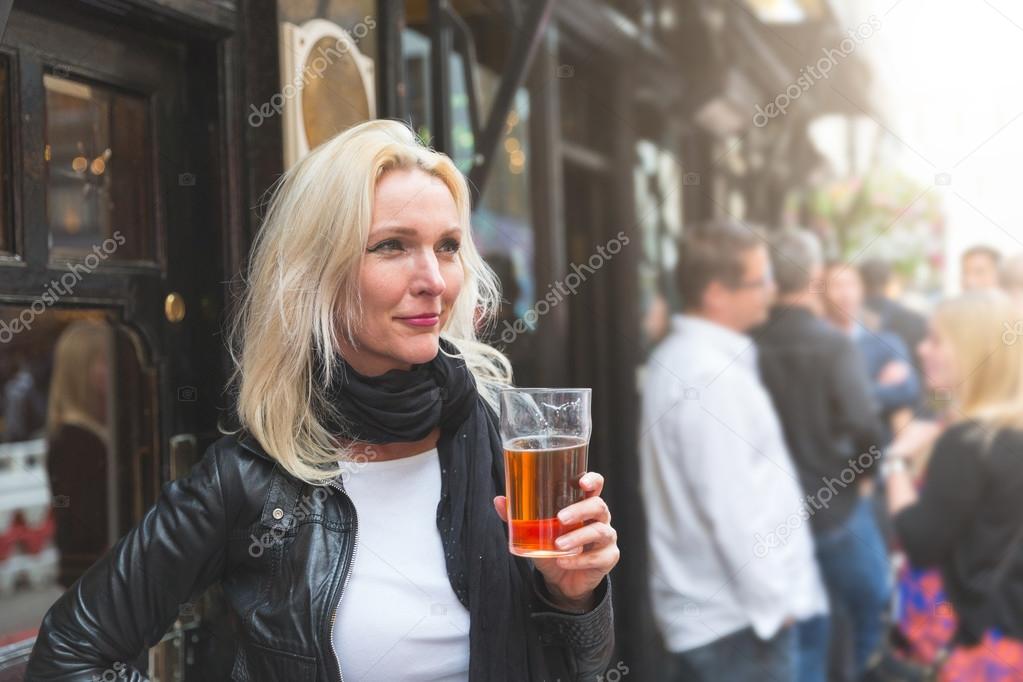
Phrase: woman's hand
(571, 580)
(915, 439)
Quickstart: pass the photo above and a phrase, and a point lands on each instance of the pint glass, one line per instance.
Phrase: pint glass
(545, 433)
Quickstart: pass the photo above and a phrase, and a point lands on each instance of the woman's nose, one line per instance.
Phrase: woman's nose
(428, 280)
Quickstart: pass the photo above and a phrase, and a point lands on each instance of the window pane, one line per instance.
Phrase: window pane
(6, 222)
(74, 407)
(415, 49)
(99, 180)
(657, 180)
(503, 228)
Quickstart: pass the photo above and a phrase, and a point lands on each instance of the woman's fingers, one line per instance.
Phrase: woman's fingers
(501, 505)
(603, 559)
(597, 534)
(591, 483)
(591, 509)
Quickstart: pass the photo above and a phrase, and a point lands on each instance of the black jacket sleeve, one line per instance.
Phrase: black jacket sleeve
(128, 599)
(856, 411)
(587, 639)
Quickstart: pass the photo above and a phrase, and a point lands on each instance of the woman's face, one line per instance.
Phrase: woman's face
(939, 364)
(411, 273)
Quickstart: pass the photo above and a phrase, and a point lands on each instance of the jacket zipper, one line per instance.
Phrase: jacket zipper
(348, 576)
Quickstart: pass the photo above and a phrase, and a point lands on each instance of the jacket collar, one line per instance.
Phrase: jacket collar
(248, 441)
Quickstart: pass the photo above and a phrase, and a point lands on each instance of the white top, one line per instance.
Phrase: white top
(398, 619)
(729, 537)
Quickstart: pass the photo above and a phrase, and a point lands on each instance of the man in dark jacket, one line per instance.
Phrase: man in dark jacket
(818, 383)
(892, 316)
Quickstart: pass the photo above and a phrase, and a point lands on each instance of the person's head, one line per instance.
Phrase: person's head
(80, 380)
(972, 355)
(724, 274)
(876, 275)
(843, 293)
(797, 263)
(980, 268)
(364, 259)
(1010, 276)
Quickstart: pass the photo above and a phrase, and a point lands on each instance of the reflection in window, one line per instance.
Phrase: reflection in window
(503, 228)
(415, 47)
(6, 222)
(64, 480)
(99, 184)
(657, 184)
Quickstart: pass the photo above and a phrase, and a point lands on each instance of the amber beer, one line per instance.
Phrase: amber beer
(546, 438)
(542, 476)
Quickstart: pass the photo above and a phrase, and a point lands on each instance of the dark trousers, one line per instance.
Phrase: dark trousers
(854, 564)
(741, 657)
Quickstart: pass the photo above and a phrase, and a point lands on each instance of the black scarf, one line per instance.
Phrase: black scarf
(493, 584)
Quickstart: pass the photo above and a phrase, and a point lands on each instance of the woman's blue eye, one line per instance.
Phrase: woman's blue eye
(449, 246)
(386, 245)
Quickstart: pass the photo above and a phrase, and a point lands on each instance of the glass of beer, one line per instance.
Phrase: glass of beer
(546, 433)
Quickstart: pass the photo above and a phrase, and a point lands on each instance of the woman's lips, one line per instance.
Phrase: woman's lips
(421, 320)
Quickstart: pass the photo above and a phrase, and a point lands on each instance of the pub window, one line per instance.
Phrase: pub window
(6, 212)
(99, 187)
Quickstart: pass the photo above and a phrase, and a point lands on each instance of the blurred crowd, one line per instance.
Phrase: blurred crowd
(833, 479)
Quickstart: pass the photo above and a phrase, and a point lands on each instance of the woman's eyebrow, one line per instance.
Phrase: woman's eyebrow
(411, 231)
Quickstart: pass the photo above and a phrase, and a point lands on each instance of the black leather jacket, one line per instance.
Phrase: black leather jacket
(281, 549)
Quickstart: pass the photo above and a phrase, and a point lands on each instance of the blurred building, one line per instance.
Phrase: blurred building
(139, 139)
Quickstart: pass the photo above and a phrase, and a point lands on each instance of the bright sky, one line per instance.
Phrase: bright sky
(951, 92)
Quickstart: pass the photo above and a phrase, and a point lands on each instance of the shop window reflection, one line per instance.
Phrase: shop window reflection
(99, 177)
(6, 212)
(503, 226)
(657, 181)
(67, 379)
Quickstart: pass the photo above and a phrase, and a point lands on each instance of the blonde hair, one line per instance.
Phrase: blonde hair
(978, 327)
(75, 398)
(302, 291)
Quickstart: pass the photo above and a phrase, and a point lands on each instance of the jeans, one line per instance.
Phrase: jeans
(854, 564)
(742, 657)
(812, 636)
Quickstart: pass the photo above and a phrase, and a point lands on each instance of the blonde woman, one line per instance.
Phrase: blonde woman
(967, 519)
(77, 445)
(355, 519)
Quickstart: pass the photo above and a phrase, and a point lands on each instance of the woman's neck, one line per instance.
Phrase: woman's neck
(382, 452)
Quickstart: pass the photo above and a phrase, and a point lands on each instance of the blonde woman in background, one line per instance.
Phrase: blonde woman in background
(365, 424)
(78, 442)
(967, 519)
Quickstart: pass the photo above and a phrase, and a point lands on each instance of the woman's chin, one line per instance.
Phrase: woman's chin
(420, 350)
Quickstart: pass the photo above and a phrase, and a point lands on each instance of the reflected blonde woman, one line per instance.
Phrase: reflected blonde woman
(365, 461)
(77, 445)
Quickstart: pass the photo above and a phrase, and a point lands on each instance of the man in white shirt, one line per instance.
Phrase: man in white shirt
(731, 554)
